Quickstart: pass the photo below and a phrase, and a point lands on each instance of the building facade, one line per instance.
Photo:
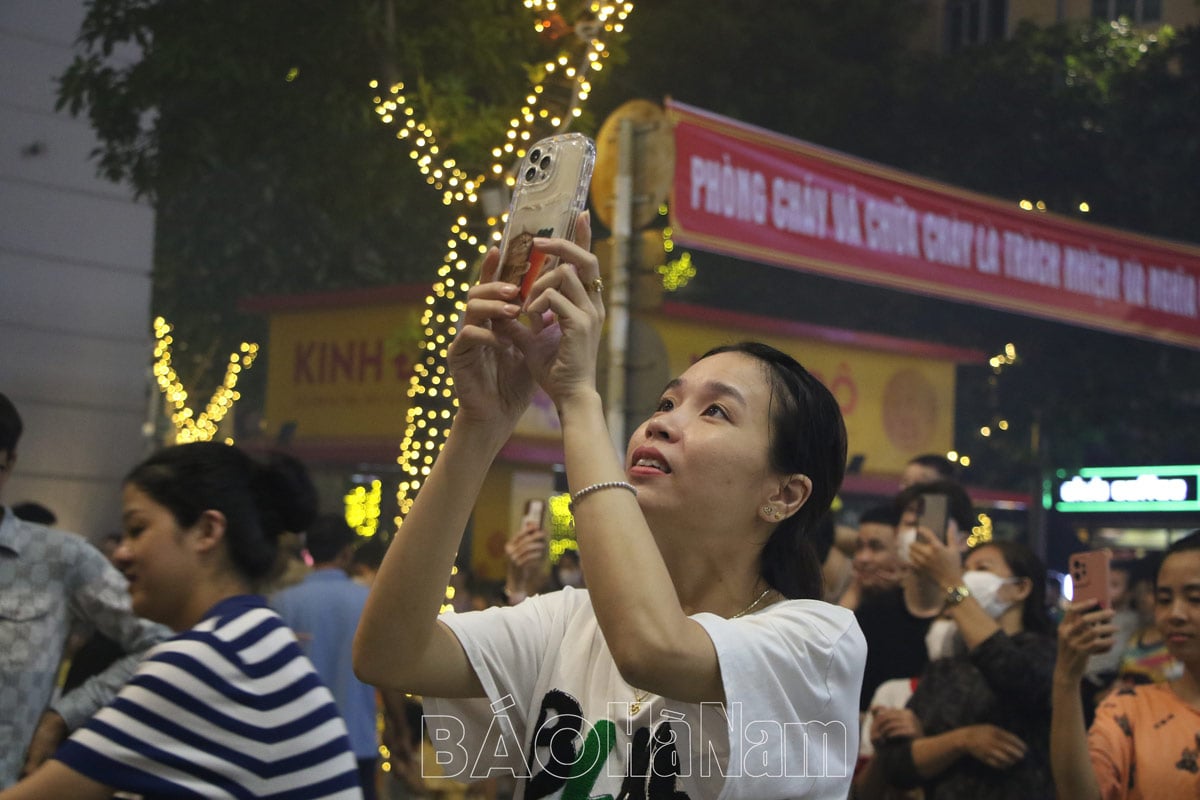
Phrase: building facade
(75, 260)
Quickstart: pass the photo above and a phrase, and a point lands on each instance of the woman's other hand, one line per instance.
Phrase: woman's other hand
(491, 380)
(993, 746)
(1085, 630)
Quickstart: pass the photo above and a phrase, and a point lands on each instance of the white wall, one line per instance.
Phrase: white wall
(75, 258)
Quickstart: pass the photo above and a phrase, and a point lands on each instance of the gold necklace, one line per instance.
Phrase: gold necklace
(640, 696)
(757, 600)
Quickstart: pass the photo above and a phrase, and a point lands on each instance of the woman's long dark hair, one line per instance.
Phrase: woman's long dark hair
(807, 437)
(259, 501)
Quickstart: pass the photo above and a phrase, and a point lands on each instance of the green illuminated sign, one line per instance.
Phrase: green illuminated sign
(1128, 489)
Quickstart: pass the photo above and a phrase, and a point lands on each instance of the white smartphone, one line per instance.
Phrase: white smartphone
(535, 515)
(550, 193)
(935, 514)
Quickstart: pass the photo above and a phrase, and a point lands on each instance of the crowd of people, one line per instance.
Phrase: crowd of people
(991, 691)
(711, 636)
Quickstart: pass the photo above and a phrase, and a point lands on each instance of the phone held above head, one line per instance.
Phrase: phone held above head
(551, 192)
(534, 517)
(1089, 577)
(924, 597)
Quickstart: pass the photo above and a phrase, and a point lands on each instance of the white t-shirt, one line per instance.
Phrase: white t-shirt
(558, 715)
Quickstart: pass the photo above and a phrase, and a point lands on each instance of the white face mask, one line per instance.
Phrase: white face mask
(985, 586)
(570, 577)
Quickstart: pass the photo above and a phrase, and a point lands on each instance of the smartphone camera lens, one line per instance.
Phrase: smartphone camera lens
(545, 162)
(534, 155)
(530, 173)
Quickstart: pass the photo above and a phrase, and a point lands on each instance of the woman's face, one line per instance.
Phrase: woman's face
(990, 559)
(703, 454)
(1177, 605)
(154, 558)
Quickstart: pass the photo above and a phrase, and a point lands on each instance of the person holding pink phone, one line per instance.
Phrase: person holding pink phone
(699, 662)
(1144, 742)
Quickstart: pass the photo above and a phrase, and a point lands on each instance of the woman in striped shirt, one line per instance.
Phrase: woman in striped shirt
(229, 707)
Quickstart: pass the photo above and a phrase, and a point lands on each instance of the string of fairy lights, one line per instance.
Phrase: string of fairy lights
(998, 424)
(190, 426)
(362, 504)
(674, 272)
(431, 393)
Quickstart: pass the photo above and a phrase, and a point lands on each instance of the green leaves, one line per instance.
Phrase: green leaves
(251, 126)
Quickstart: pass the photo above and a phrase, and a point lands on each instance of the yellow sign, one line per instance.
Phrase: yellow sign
(895, 406)
(342, 373)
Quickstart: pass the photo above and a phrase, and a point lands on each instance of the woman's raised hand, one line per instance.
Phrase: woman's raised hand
(1085, 629)
(491, 379)
(935, 559)
(567, 311)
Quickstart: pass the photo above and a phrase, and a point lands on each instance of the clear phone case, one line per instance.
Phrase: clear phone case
(551, 191)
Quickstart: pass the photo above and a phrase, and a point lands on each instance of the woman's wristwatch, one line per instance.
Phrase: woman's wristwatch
(956, 594)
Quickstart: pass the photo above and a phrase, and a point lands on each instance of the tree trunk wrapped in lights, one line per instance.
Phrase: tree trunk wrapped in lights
(560, 87)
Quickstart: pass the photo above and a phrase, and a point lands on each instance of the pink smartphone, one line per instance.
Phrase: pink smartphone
(550, 193)
(1089, 576)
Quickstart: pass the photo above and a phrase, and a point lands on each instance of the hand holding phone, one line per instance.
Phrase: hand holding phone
(530, 542)
(923, 595)
(528, 552)
(550, 193)
(534, 516)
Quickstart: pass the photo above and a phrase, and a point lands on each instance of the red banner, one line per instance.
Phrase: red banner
(761, 196)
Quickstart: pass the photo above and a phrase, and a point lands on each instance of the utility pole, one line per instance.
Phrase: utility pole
(635, 159)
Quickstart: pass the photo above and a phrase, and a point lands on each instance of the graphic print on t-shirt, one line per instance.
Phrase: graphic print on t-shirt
(558, 761)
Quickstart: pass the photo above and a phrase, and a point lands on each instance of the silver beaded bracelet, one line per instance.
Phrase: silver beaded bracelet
(595, 487)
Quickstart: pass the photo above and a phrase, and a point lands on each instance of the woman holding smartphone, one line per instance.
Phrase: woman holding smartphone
(698, 660)
(1144, 741)
(229, 706)
(976, 725)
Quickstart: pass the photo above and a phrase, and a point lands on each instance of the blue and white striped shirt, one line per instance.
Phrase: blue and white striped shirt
(229, 708)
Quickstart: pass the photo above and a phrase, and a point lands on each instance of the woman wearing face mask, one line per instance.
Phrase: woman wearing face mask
(567, 570)
(977, 725)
